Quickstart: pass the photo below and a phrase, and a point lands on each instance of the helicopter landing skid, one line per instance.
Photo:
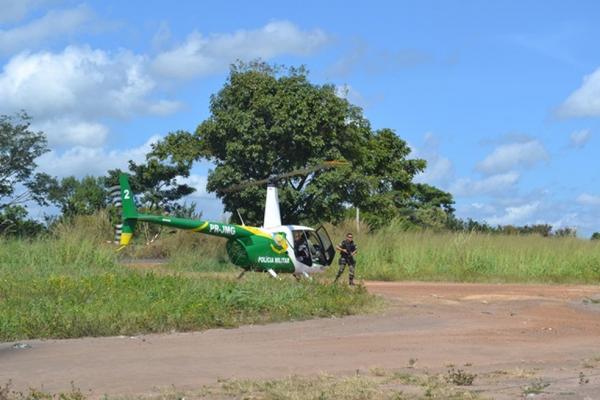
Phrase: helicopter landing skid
(303, 275)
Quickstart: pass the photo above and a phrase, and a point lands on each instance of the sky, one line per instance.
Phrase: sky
(501, 98)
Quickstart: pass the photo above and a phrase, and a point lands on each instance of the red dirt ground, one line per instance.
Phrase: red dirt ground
(510, 335)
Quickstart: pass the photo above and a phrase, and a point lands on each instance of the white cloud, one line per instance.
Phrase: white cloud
(508, 156)
(476, 211)
(578, 139)
(515, 215)
(164, 107)
(569, 220)
(81, 161)
(439, 170)
(53, 24)
(208, 203)
(588, 199)
(70, 92)
(162, 37)
(529, 209)
(481, 207)
(491, 185)
(79, 81)
(90, 83)
(67, 131)
(15, 10)
(202, 55)
(198, 182)
(585, 101)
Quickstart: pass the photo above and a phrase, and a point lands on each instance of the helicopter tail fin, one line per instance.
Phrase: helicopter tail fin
(123, 197)
(129, 210)
(127, 230)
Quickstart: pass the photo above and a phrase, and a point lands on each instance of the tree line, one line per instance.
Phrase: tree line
(267, 120)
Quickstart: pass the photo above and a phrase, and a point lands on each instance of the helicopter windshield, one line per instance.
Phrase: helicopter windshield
(310, 249)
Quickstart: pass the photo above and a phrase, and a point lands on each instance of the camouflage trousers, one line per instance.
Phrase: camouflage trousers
(351, 267)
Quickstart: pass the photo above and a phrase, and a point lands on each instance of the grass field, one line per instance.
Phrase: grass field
(392, 254)
(72, 285)
(471, 257)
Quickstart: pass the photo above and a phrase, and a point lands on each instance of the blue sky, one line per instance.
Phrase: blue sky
(501, 98)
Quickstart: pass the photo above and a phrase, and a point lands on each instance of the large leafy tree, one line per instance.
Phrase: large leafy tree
(269, 121)
(19, 148)
(79, 196)
(157, 182)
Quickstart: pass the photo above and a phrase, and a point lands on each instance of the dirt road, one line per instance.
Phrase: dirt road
(518, 332)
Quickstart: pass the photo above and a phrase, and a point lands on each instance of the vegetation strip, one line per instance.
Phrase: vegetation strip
(392, 255)
(68, 286)
(395, 254)
(375, 383)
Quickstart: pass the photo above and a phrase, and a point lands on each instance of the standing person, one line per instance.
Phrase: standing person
(347, 249)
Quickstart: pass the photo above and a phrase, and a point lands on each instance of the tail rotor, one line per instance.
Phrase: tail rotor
(114, 194)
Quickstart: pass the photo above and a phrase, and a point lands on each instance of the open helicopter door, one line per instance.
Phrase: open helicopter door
(327, 247)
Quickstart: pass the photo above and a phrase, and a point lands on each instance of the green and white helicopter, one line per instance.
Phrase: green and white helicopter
(272, 248)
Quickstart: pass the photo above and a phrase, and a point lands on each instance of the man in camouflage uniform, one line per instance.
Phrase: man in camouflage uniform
(347, 249)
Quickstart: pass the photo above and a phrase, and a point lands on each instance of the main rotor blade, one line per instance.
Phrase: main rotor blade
(295, 172)
(240, 186)
(308, 170)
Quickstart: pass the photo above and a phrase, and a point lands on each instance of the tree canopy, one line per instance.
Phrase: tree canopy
(157, 181)
(19, 148)
(270, 120)
(79, 197)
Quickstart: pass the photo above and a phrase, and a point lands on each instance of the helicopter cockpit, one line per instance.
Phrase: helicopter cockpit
(313, 247)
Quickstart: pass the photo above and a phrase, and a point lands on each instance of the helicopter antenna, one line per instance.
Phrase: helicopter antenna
(240, 216)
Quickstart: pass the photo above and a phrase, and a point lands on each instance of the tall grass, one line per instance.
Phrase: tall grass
(396, 254)
(70, 284)
(131, 303)
(393, 254)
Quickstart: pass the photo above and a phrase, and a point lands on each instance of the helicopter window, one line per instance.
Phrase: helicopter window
(308, 248)
(302, 248)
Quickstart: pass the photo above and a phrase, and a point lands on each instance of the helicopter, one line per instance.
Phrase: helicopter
(272, 247)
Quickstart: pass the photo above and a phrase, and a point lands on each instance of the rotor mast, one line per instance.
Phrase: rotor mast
(272, 217)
